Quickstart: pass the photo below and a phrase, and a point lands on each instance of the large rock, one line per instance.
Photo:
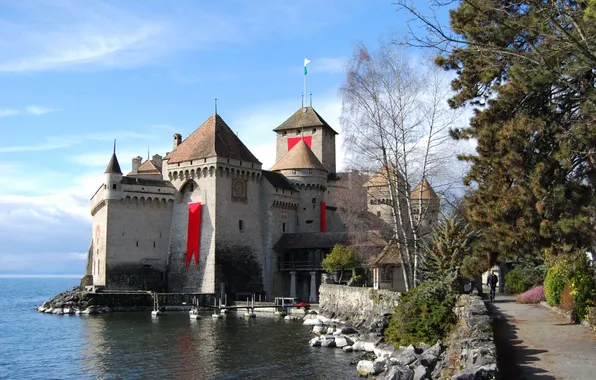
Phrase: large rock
(328, 343)
(319, 329)
(380, 364)
(429, 357)
(348, 330)
(421, 373)
(341, 342)
(365, 368)
(384, 349)
(358, 346)
(403, 357)
(487, 372)
(348, 348)
(397, 373)
(315, 342)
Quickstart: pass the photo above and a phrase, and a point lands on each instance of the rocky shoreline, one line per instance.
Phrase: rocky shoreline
(468, 354)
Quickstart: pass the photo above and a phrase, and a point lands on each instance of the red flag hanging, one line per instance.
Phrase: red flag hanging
(194, 232)
(323, 217)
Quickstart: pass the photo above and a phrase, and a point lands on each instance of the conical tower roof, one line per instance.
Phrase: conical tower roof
(113, 165)
(212, 138)
(299, 157)
(380, 177)
(427, 191)
(305, 117)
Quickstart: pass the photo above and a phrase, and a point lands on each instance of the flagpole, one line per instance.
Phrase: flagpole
(304, 96)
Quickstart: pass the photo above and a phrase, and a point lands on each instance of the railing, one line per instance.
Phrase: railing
(300, 265)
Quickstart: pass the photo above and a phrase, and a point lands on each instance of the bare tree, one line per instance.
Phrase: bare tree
(396, 118)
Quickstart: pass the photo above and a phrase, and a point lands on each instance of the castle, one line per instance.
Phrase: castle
(207, 218)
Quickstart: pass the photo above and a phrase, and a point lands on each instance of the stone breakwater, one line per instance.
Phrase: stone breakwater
(469, 352)
(76, 301)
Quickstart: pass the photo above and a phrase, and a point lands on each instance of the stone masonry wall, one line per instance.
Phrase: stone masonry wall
(358, 306)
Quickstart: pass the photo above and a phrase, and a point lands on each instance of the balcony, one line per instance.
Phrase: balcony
(300, 266)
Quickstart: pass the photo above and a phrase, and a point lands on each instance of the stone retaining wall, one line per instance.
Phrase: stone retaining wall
(360, 307)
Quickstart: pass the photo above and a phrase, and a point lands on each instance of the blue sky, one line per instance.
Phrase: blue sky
(74, 75)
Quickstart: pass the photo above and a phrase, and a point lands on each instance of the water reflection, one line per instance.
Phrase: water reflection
(132, 346)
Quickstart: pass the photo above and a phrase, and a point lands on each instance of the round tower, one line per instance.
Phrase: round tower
(304, 170)
(113, 179)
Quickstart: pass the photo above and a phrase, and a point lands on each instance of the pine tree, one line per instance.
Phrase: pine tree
(528, 68)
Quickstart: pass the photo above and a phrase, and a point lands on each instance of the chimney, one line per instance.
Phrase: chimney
(136, 162)
(177, 139)
(157, 161)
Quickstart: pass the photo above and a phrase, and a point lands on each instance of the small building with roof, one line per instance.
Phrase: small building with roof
(207, 218)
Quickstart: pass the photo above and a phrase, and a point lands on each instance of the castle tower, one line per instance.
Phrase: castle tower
(303, 169)
(425, 199)
(113, 178)
(212, 166)
(307, 124)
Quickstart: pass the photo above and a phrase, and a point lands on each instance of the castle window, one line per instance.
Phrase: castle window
(137, 243)
(297, 131)
(240, 226)
(114, 186)
(228, 160)
(308, 221)
(204, 160)
(240, 163)
(314, 130)
(179, 164)
(158, 189)
(314, 200)
(153, 244)
(309, 171)
(283, 227)
(285, 133)
(379, 214)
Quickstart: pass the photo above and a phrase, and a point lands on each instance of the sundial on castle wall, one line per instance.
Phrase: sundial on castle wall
(239, 189)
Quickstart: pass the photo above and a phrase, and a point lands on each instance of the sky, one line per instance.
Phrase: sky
(74, 75)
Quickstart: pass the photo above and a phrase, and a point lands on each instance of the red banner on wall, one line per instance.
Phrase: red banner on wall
(323, 217)
(194, 232)
(294, 140)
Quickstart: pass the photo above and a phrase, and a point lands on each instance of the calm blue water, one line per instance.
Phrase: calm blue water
(133, 346)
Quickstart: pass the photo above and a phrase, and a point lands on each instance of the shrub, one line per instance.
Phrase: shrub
(340, 259)
(522, 278)
(424, 314)
(583, 291)
(566, 299)
(591, 317)
(555, 281)
(534, 295)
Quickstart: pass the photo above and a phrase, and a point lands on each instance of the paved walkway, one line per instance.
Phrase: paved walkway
(534, 342)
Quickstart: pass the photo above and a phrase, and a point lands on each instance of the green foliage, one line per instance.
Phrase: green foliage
(555, 281)
(523, 278)
(424, 314)
(445, 256)
(528, 67)
(583, 291)
(340, 259)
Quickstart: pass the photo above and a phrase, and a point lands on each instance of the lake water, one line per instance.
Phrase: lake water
(134, 346)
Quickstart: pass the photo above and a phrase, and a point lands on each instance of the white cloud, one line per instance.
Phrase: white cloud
(78, 256)
(38, 110)
(8, 112)
(329, 65)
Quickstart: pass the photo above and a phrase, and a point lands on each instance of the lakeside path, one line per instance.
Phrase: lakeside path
(534, 342)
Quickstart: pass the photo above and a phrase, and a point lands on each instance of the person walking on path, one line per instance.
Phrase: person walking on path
(491, 282)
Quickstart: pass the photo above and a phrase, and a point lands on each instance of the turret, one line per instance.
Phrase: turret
(113, 178)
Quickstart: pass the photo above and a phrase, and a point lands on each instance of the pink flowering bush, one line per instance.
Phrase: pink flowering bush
(534, 295)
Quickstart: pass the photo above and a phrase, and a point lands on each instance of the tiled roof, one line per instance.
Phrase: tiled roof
(380, 178)
(312, 240)
(299, 157)
(212, 138)
(148, 167)
(278, 180)
(305, 117)
(388, 256)
(146, 182)
(113, 165)
(427, 191)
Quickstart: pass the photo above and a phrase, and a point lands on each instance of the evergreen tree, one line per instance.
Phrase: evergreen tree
(529, 69)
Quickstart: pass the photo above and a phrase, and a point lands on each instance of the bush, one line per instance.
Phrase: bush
(583, 291)
(534, 295)
(424, 314)
(591, 317)
(522, 278)
(566, 299)
(555, 281)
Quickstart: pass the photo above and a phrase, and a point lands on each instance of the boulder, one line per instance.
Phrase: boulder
(328, 343)
(429, 357)
(403, 357)
(384, 349)
(330, 330)
(318, 329)
(365, 367)
(370, 346)
(421, 373)
(315, 342)
(487, 372)
(423, 346)
(348, 348)
(358, 346)
(341, 342)
(348, 330)
(397, 373)
(380, 364)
